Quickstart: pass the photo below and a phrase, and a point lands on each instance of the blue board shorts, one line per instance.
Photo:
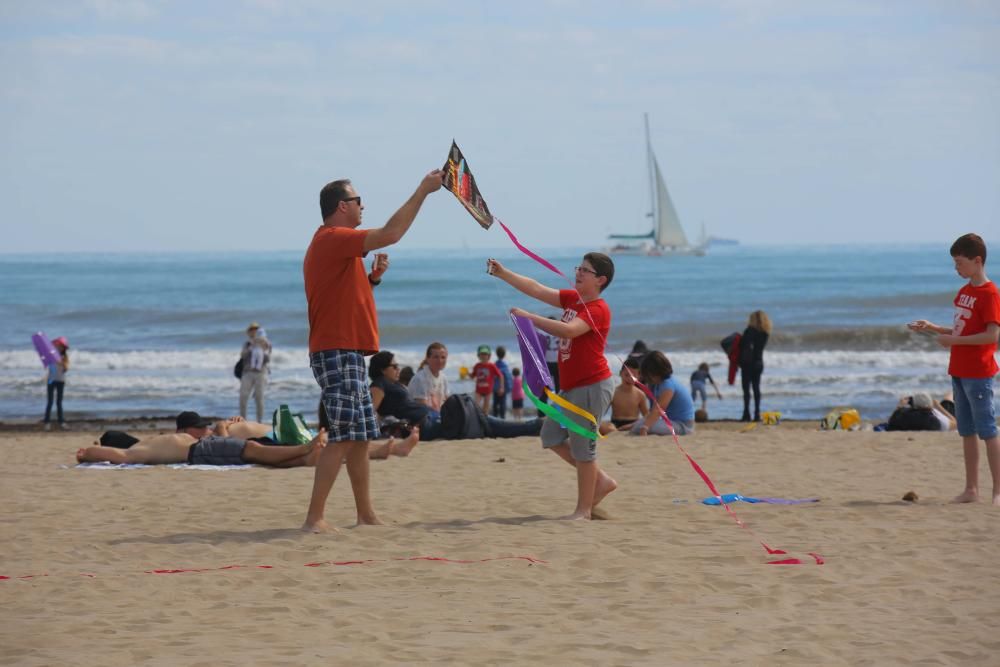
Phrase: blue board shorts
(974, 409)
(346, 397)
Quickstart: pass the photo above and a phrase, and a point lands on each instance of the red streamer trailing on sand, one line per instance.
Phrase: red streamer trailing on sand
(194, 570)
(663, 415)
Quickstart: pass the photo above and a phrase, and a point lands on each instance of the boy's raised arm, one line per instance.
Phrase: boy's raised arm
(523, 284)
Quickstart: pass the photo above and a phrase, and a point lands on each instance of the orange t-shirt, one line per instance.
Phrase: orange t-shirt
(341, 305)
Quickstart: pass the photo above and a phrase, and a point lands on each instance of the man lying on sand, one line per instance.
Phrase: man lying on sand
(196, 444)
(238, 427)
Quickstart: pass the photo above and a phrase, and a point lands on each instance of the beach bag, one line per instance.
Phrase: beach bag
(461, 419)
(238, 369)
(913, 419)
(841, 419)
(290, 429)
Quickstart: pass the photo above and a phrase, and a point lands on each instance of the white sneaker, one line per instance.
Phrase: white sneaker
(64, 426)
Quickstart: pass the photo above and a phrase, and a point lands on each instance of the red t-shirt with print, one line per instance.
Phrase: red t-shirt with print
(975, 308)
(581, 359)
(485, 372)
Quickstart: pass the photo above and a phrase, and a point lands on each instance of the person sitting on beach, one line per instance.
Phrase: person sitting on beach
(391, 399)
(194, 443)
(628, 403)
(430, 387)
(672, 396)
(920, 413)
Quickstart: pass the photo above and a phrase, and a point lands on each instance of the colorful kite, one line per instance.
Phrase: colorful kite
(459, 179)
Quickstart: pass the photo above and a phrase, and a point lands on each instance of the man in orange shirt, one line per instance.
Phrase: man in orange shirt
(343, 330)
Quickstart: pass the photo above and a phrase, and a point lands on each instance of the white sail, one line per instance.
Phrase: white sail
(669, 232)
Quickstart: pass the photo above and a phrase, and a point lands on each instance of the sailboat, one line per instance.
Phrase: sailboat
(667, 237)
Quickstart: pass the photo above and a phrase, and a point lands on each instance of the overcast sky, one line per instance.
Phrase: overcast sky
(146, 125)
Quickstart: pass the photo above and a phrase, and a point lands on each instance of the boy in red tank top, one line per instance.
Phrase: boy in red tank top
(973, 342)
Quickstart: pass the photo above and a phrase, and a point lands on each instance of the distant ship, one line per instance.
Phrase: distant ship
(715, 240)
(667, 237)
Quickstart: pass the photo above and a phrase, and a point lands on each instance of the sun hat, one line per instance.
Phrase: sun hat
(483, 349)
(922, 401)
(253, 325)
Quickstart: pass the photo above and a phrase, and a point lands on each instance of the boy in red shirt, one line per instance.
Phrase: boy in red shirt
(973, 342)
(485, 372)
(584, 376)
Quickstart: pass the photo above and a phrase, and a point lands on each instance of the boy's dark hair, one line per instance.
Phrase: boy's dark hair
(656, 365)
(501, 352)
(405, 375)
(969, 246)
(516, 371)
(631, 362)
(603, 266)
(378, 363)
(331, 195)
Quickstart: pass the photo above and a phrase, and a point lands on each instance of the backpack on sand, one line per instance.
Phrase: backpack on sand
(290, 429)
(461, 419)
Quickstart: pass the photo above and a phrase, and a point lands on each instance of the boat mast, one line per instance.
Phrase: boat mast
(649, 167)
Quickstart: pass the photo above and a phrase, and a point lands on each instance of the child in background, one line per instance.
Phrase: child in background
(57, 383)
(698, 385)
(485, 373)
(260, 350)
(501, 388)
(517, 395)
(671, 395)
(972, 339)
(628, 403)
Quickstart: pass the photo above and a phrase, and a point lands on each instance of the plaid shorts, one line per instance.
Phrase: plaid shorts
(346, 398)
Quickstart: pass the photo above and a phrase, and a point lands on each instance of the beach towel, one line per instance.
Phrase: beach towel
(178, 466)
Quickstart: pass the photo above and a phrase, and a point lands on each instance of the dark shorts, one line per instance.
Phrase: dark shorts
(217, 451)
(517, 403)
(346, 397)
(623, 422)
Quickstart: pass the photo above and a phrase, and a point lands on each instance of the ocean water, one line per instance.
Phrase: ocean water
(154, 334)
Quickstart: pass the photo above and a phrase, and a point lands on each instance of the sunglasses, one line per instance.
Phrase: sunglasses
(357, 199)
(393, 365)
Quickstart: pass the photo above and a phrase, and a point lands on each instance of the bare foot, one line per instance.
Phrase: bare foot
(968, 496)
(996, 500)
(370, 520)
(320, 526)
(605, 485)
(576, 516)
(406, 446)
(383, 450)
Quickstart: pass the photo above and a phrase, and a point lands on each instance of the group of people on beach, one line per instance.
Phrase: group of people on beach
(358, 397)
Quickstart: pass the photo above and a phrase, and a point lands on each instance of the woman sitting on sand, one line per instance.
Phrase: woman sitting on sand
(671, 395)
(391, 398)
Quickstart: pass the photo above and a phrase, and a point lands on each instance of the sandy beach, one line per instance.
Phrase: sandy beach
(666, 580)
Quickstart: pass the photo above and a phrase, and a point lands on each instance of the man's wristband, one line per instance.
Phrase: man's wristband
(374, 282)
